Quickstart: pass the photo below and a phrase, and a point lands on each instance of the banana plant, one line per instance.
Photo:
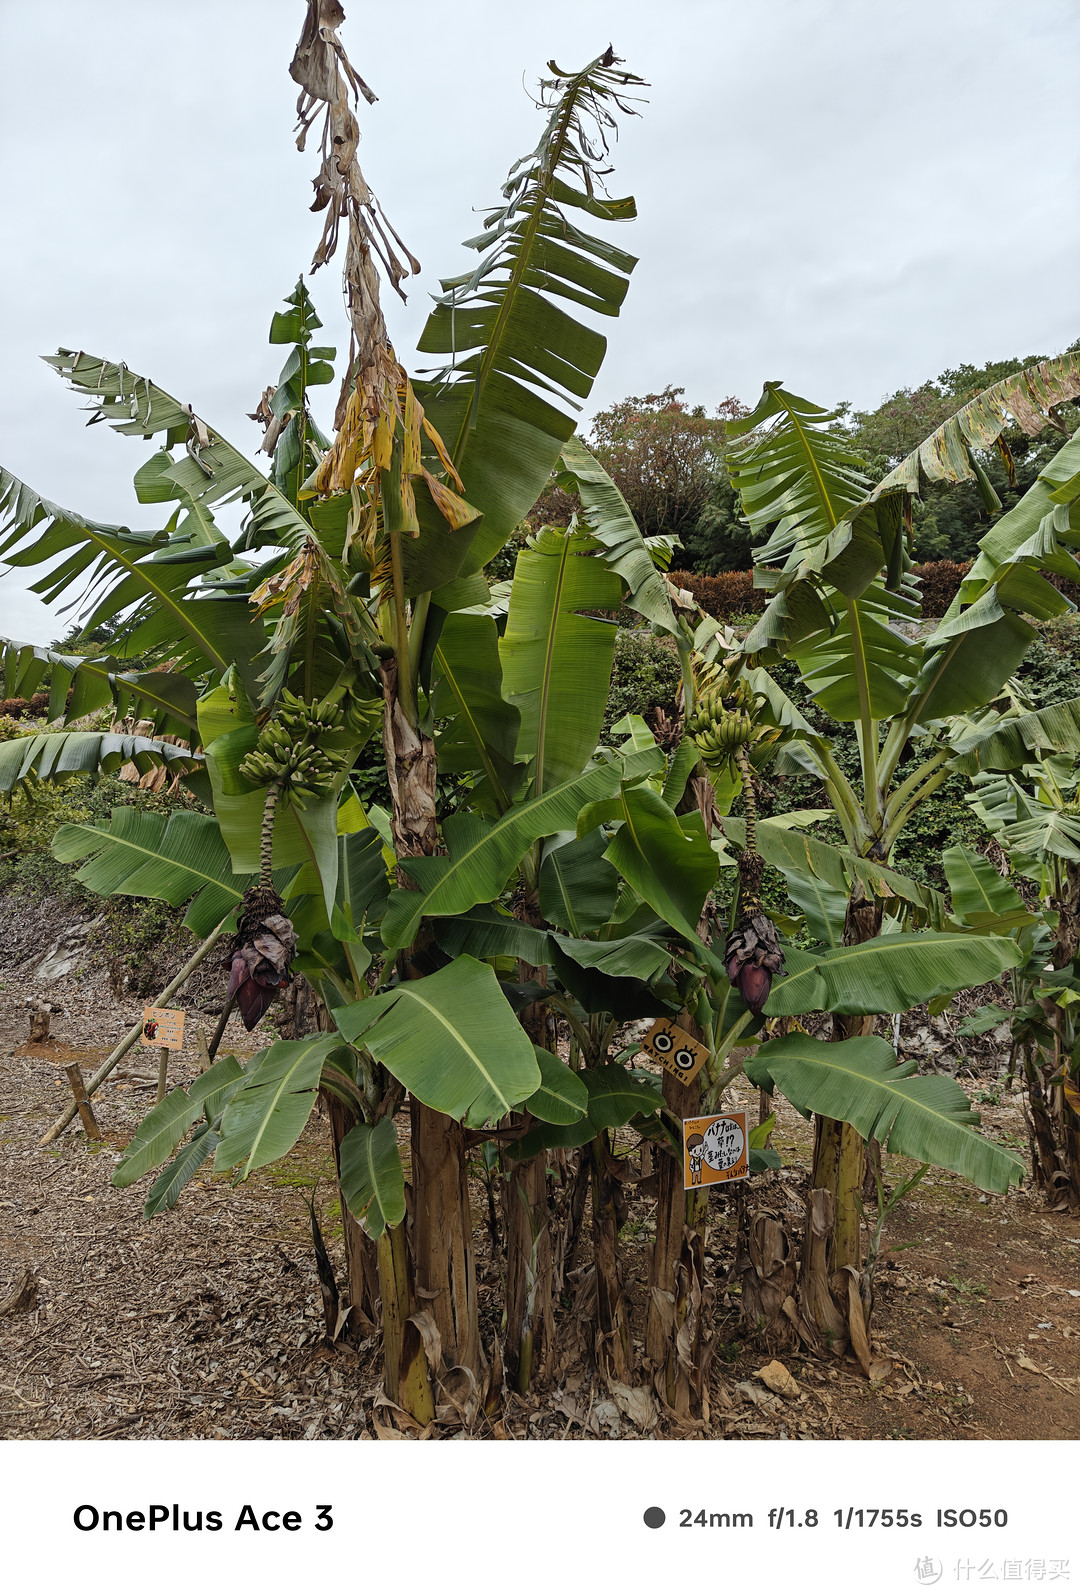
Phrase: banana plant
(353, 592)
(1025, 779)
(837, 564)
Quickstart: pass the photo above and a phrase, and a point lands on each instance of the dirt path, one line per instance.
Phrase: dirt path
(207, 1322)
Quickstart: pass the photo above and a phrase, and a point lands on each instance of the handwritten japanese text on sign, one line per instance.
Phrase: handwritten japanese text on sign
(714, 1150)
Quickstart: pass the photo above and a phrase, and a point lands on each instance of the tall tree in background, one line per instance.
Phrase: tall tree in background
(952, 518)
(667, 459)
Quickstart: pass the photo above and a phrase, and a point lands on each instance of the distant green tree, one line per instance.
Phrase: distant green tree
(951, 518)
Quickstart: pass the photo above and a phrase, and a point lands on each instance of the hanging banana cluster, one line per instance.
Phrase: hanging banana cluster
(288, 752)
(723, 721)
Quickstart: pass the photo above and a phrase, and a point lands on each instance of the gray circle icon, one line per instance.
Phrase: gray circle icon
(655, 1517)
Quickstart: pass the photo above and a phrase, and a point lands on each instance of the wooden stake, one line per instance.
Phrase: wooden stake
(82, 1102)
(135, 1032)
(162, 1074)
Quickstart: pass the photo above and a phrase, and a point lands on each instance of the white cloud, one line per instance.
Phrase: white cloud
(846, 195)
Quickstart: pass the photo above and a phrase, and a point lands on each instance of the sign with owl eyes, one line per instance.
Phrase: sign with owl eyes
(677, 1052)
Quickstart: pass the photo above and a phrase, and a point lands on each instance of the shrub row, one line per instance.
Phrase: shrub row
(732, 592)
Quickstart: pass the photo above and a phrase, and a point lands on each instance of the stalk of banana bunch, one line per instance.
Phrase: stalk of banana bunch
(724, 726)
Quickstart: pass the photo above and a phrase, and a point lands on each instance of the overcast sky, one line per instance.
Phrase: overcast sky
(848, 195)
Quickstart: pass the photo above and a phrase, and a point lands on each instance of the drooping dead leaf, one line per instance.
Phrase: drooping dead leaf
(635, 1403)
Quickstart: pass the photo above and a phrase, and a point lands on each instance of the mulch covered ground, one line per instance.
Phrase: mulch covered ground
(207, 1323)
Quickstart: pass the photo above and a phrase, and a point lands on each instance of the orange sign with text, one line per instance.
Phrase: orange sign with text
(163, 1027)
(715, 1150)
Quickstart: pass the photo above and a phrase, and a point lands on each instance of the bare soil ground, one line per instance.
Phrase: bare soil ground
(207, 1322)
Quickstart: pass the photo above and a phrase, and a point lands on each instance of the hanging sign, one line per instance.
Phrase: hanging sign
(163, 1027)
(714, 1150)
(679, 1053)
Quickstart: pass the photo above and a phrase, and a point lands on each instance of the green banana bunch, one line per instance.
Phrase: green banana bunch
(287, 751)
(723, 720)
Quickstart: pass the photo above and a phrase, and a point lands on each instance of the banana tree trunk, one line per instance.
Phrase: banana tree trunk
(614, 1348)
(530, 1316)
(361, 1260)
(443, 1257)
(676, 1338)
(832, 1243)
(530, 1262)
(406, 1374)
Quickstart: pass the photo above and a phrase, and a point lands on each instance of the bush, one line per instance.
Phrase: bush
(940, 582)
(730, 593)
(646, 676)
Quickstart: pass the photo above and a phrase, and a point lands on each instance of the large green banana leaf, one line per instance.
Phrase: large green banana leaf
(161, 1132)
(451, 1038)
(504, 339)
(151, 570)
(1005, 742)
(861, 1082)
(793, 852)
(668, 860)
(265, 1118)
(142, 854)
(889, 974)
(165, 1191)
(483, 856)
(372, 1178)
(980, 897)
(562, 1096)
(556, 658)
(486, 932)
(54, 755)
(608, 517)
(796, 475)
(578, 887)
(615, 1096)
(81, 685)
(861, 667)
(478, 728)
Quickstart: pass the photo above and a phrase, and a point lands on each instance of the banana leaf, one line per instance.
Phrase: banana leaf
(889, 974)
(451, 1039)
(981, 898)
(517, 364)
(267, 1115)
(861, 1082)
(483, 856)
(372, 1178)
(556, 659)
(54, 755)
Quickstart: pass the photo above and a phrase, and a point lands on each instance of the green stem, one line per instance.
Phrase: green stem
(901, 819)
(902, 793)
(421, 605)
(405, 695)
(266, 836)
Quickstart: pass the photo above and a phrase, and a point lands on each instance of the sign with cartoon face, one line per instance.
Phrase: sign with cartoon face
(163, 1027)
(715, 1150)
(677, 1052)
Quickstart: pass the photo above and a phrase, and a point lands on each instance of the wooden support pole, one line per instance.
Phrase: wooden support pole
(134, 1033)
(82, 1102)
(162, 1074)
